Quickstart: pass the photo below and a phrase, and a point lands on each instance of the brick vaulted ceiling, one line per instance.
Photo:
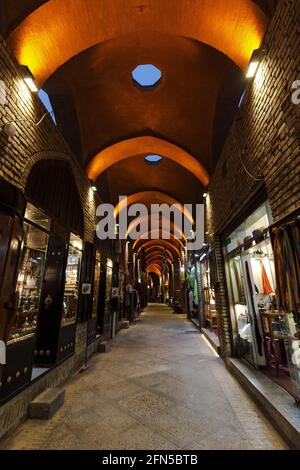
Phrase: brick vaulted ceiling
(82, 52)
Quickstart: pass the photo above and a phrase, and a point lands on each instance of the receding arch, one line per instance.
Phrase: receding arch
(142, 145)
(162, 243)
(159, 234)
(149, 196)
(154, 269)
(173, 227)
(159, 255)
(158, 248)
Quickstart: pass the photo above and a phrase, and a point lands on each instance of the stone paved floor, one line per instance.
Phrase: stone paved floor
(160, 387)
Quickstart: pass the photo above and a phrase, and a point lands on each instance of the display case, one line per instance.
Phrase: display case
(209, 304)
(97, 273)
(31, 273)
(251, 282)
(72, 279)
(109, 274)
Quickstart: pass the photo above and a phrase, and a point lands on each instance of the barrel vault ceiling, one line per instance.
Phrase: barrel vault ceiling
(82, 52)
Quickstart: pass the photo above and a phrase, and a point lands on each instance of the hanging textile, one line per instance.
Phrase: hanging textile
(295, 235)
(256, 329)
(195, 289)
(267, 288)
(189, 280)
(286, 252)
(281, 281)
(291, 273)
(240, 290)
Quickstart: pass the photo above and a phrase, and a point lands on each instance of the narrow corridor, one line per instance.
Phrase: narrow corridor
(160, 387)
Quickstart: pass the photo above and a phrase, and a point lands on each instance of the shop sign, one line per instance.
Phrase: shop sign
(86, 289)
(2, 353)
(114, 292)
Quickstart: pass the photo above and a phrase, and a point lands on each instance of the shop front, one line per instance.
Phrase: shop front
(93, 322)
(285, 236)
(192, 284)
(16, 373)
(209, 304)
(41, 271)
(263, 326)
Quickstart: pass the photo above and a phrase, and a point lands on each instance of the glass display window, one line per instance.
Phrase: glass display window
(209, 304)
(38, 217)
(286, 244)
(71, 291)
(96, 283)
(122, 287)
(109, 273)
(31, 273)
(251, 282)
(258, 221)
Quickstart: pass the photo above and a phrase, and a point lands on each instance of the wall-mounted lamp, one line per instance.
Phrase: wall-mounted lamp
(205, 195)
(93, 186)
(9, 130)
(29, 78)
(255, 60)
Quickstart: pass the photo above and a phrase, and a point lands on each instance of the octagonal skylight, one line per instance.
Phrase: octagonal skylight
(153, 159)
(146, 75)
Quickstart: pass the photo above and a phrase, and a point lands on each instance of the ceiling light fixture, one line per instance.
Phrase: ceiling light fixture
(29, 78)
(255, 60)
(93, 186)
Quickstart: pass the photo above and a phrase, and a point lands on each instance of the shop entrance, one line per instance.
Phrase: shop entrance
(251, 282)
(261, 331)
(17, 371)
(101, 301)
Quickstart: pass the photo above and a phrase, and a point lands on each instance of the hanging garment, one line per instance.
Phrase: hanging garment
(189, 280)
(256, 328)
(281, 279)
(291, 272)
(195, 291)
(267, 288)
(240, 290)
(295, 236)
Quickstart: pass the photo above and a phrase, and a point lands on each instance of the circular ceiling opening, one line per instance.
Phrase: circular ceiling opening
(153, 159)
(146, 76)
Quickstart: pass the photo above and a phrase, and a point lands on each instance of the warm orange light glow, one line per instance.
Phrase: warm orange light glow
(157, 255)
(143, 145)
(160, 233)
(156, 197)
(60, 29)
(162, 243)
(154, 269)
(140, 220)
(159, 249)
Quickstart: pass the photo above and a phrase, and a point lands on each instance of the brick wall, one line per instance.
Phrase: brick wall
(265, 138)
(17, 157)
(33, 143)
